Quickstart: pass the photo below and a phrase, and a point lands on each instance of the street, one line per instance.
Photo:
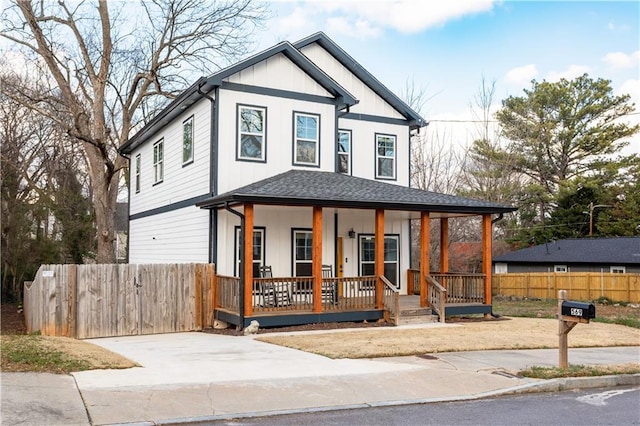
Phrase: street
(615, 406)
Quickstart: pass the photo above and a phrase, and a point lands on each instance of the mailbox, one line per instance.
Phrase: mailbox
(578, 309)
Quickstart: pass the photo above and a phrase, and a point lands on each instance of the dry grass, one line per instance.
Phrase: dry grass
(511, 333)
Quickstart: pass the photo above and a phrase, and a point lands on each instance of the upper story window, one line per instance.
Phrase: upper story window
(187, 141)
(344, 152)
(251, 143)
(385, 156)
(306, 139)
(158, 161)
(617, 269)
(560, 268)
(138, 165)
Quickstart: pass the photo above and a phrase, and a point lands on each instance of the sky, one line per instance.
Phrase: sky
(446, 48)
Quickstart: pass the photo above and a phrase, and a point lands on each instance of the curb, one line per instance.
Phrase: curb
(551, 385)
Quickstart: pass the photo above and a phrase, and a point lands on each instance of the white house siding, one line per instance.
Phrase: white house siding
(279, 222)
(179, 183)
(370, 102)
(363, 148)
(233, 173)
(278, 72)
(176, 236)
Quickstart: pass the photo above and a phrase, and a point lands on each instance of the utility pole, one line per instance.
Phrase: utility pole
(591, 208)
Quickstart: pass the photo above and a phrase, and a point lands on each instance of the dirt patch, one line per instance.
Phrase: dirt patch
(22, 352)
(514, 333)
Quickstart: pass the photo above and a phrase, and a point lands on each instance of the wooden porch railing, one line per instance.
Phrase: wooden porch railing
(391, 300)
(437, 297)
(461, 287)
(295, 294)
(228, 293)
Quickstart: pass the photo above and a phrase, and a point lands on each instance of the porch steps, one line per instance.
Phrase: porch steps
(416, 316)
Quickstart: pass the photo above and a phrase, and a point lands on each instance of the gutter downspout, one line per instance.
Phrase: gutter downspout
(241, 296)
(212, 181)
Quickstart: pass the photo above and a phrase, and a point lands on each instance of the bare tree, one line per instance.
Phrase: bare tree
(109, 65)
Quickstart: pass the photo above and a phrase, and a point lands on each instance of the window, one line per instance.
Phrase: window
(251, 144)
(302, 252)
(344, 152)
(138, 161)
(617, 269)
(306, 139)
(500, 268)
(158, 161)
(367, 257)
(187, 141)
(385, 156)
(258, 250)
(560, 268)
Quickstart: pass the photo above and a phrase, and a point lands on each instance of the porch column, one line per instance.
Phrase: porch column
(379, 257)
(248, 260)
(424, 256)
(316, 258)
(486, 256)
(444, 245)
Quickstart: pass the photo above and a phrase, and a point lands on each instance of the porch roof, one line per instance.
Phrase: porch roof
(329, 189)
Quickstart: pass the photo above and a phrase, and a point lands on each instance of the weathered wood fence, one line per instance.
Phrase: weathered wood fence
(86, 301)
(580, 285)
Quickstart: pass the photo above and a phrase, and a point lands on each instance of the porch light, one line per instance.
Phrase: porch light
(352, 233)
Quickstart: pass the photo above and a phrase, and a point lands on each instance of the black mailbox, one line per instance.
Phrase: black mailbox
(578, 309)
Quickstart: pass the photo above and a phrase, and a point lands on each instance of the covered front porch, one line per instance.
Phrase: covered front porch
(323, 201)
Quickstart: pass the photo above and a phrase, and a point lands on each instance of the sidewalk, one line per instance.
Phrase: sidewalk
(197, 376)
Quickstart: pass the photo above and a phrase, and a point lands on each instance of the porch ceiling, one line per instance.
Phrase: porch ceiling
(329, 189)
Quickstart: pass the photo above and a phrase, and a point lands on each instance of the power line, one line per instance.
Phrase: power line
(497, 121)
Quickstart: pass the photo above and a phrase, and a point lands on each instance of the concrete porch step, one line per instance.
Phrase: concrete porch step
(417, 319)
(415, 311)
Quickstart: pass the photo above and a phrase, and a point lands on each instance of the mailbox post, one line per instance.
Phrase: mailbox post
(569, 314)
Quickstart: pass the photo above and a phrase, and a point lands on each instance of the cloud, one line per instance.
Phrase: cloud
(369, 19)
(631, 87)
(570, 73)
(521, 75)
(621, 59)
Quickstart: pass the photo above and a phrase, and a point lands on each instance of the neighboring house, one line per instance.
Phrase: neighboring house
(615, 255)
(294, 158)
(121, 222)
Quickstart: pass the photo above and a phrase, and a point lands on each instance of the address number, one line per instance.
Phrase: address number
(576, 312)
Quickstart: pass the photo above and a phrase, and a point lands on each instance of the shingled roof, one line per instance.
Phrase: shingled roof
(616, 250)
(329, 189)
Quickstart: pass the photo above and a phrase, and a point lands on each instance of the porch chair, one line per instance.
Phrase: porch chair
(329, 288)
(272, 294)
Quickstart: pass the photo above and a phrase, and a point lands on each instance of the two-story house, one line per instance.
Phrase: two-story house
(290, 164)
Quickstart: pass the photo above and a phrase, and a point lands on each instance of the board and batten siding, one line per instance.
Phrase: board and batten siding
(278, 224)
(179, 182)
(172, 237)
(370, 102)
(363, 148)
(278, 72)
(235, 173)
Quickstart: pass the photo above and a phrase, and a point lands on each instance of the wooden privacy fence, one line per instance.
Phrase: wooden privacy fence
(86, 301)
(580, 285)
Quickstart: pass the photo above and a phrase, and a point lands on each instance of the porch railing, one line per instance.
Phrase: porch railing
(391, 300)
(228, 293)
(461, 287)
(437, 297)
(295, 294)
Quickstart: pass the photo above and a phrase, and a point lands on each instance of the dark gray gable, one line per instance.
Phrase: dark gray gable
(616, 250)
(365, 76)
(206, 85)
(329, 189)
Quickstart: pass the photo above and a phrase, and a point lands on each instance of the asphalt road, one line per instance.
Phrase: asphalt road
(615, 406)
